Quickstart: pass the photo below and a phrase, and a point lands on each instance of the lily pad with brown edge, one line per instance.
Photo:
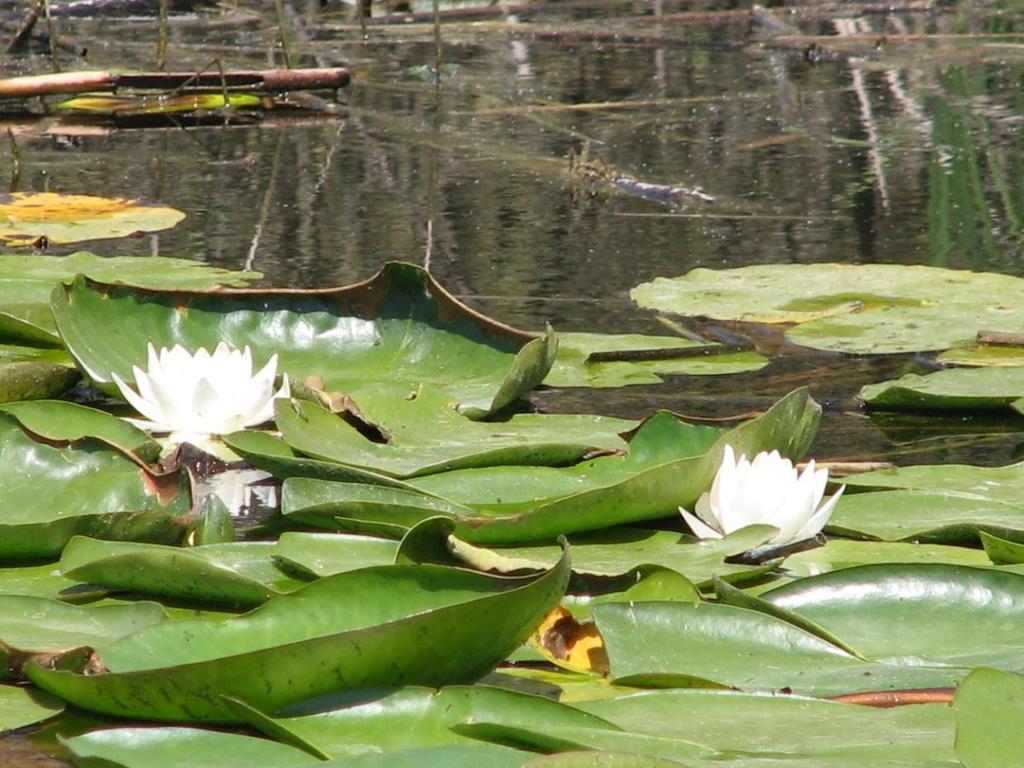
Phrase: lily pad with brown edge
(374, 341)
(619, 360)
(953, 389)
(34, 627)
(860, 309)
(669, 463)
(237, 573)
(60, 421)
(27, 216)
(26, 283)
(356, 722)
(90, 488)
(437, 626)
(425, 436)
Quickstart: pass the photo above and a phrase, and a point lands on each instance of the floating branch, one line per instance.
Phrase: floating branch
(267, 81)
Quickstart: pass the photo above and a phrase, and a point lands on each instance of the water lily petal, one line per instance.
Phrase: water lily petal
(700, 530)
(820, 518)
(147, 408)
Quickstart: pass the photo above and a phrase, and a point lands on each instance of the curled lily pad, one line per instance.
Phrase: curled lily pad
(25, 217)
(438, 625)
(428, 436)
(622, 550)
(22, 705)
(171, 747)
(734, 721)
(374, 341)
(676, 644)
(31, 627)
(955, 389)
(234, 573)
(863, 309)
(92, 489)
(65, 422)
(903, 612)
(669, 464)
(618, 360)
(944, 504)
(324, 554)
(366, 721)
(26, 283)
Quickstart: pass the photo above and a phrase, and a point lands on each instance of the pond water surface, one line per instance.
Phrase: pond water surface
(822, 135)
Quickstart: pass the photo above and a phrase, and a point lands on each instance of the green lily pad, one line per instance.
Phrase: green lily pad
(669, 464)
(988, 709)
(848, 553)
(325, 554)
(948, 503)
(429, 436)
(170, 747)
(676, 644)
(273, 455)
(861, 309)
(235, 573)
(30, 626)
(595, 742)
(954, 389)
(28, 373)
(22, 705)
(644, 359)
(91, 489)
(27, 216)
(65, 422)
(374, 721)
(591, 759)
(903, 613)
(732, 721)
(438, 625)
(376, 341)
(451, 756)
(622, 550)
(1002, 551)
(26, 283)
(39, 581)
(984, 356)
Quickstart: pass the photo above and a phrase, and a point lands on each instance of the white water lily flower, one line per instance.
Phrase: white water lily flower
(767, 491)
(196, 396)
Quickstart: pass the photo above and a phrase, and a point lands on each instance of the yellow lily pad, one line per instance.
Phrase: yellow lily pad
(27, 217)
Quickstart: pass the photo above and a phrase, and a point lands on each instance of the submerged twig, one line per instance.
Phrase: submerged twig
(282, 36)
(21, 37)
(15, 159)
(49, 37)
(161, 40)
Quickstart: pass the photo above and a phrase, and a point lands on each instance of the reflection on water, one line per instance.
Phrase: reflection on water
(864, 143)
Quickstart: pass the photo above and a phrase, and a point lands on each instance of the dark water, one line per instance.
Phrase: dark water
(865, 143)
